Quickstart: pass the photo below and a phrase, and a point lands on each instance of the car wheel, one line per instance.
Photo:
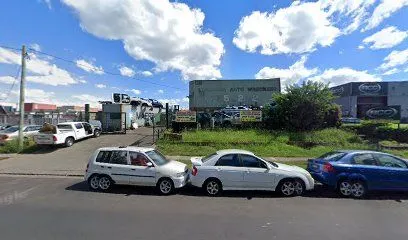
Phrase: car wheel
(97, 133)
(105, 183)
(358, 189)
(287, 188)
(93, 182)
(165, 186)
(299, 187)
(344, 188)
(213, 187)
(69, 142)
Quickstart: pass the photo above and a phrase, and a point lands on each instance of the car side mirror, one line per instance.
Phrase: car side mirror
(149, 164)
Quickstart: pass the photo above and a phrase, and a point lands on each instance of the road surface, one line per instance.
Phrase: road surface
(63, 208)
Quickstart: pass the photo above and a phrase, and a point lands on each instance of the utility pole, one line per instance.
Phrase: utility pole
(22, 94)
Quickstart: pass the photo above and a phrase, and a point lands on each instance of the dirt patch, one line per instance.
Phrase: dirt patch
(3, 158)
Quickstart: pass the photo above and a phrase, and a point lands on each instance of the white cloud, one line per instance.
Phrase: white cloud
(168, 34)
(36, 95)
(100, 85)
(394, 59)
(35, 46)
(299, 28)
(361, 47)
(39, 70)
(136, 91)
(161, 91)
(288, 76)
(384, 10)
(344, 75)
(89, 67)
(147, 73)
(183, 102)
(8, 79)
(391, 71)
(127, 72)
(386, 38)
(87, 98)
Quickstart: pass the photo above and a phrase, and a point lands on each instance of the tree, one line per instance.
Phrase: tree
(302, 108)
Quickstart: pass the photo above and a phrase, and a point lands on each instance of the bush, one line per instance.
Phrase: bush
(303, 108)
(12, 146)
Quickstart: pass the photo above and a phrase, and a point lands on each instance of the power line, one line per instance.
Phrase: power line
(107, 72)
(12, 48)
(12, 86)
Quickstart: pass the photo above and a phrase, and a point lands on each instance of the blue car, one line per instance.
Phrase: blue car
(354, 173)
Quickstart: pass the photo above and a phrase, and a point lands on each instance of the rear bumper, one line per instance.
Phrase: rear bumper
(324, 179)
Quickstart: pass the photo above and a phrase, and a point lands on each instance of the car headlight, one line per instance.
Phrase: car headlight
(181, 174)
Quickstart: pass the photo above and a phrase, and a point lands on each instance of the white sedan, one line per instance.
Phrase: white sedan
(242, 170)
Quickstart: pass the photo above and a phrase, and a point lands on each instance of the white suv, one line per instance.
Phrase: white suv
(134, 166)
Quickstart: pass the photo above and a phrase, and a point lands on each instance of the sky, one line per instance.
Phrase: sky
(82, 51)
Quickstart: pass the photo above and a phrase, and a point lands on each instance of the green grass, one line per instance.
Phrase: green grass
(12, 147)
(263, 143)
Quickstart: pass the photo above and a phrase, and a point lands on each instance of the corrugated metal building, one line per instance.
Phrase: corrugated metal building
(216, 94)
(366, 99)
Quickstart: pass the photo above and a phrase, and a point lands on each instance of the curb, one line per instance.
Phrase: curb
(41, 174)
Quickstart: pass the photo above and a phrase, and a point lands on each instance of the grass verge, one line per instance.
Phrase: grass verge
(12, 147)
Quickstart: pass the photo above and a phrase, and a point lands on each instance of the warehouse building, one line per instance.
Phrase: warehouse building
(215, 94)
(373, 100)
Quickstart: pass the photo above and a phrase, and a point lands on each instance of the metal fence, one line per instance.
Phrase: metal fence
(114, 122)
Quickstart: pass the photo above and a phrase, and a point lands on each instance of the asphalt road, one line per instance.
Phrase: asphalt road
(63, 208)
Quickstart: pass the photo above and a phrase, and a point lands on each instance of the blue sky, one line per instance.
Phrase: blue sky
(153, 48)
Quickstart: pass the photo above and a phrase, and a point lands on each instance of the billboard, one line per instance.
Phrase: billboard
(370, 89)
(387, 112)
(250, 116)
(342, 90)
(186, 116)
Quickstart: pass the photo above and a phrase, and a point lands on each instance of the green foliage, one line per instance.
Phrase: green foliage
(12, 146)
(303, 108)
(376, 130)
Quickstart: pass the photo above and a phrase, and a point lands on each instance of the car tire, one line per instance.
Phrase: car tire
(165, 186)
(344, 188)
(300, 187)
(358, 189)
(97, 133)
(93, 182)
(287, 188)
(69, 141)
(212, 187)
(105, 183)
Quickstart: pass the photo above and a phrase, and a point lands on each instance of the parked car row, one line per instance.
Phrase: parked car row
(351, 173)
(12, 132)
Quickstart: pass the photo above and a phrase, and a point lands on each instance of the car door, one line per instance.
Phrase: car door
(79, 131)
(88, 129)
(364, 164)
(256, 173)
(230, 171)
(119, 167)
(140, 173)
(395, 171)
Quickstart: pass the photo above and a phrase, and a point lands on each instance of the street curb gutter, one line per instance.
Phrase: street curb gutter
(42, 174)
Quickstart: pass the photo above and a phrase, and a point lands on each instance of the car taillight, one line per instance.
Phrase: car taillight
(195, 171)
(327, 167)
(54, 138)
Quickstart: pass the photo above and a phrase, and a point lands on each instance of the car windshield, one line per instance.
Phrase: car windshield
(10, 130)
(157, 157)
(332, 156)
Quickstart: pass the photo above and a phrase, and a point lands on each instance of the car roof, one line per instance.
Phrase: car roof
(358, 151)
(130, 148)
(70, 122)
(234, 151)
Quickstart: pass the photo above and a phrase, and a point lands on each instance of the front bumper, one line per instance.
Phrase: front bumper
(180, 182)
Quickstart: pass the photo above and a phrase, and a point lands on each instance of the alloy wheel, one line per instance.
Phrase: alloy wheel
(288, 188)
(299, 189)
(94, 182)
(345, 188)
(165, 186)
(213, 188)
(104, 183)
(358, 189)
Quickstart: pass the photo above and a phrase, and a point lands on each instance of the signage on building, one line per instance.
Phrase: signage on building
(250, 116)
(387, 112)
(186, 116)
(370, 88)
(342, 90)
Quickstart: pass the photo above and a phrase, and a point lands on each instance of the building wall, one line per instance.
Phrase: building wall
(348, 105)
(32, 107)
(215, 94)
(398, 95)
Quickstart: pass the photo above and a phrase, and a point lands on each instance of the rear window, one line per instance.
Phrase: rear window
(205, 159)
(332, 156)
(103, 156)
(64, 126)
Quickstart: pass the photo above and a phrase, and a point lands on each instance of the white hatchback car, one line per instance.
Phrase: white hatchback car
(134, 166)
(242, 170)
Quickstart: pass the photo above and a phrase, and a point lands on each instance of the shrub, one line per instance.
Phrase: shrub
(12, 146)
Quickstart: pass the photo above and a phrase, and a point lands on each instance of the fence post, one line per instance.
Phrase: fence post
(167, 115)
